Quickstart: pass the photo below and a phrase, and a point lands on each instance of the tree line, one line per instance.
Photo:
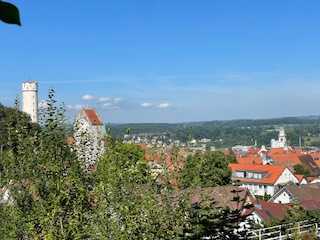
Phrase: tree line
(225, 134)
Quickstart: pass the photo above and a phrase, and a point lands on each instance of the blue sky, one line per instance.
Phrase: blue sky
(168, 60)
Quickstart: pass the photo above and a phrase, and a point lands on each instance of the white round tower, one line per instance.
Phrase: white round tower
(30, 99)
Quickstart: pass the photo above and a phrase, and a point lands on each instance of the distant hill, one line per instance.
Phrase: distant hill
(231, 132)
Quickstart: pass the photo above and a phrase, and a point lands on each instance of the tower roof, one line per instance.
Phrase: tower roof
(92, 116)
(30, 81)
(30, 86)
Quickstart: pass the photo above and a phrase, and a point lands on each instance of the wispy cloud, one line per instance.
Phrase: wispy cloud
(110, 106)
(88, 97)
(117, 99)
(146, 104)
(74, 107)
(104, 99)
(161, 105)
(107, 104)
(164, 105)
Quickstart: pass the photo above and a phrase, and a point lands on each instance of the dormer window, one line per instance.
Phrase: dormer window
(249, 174)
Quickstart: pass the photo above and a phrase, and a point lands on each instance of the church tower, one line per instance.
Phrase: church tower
(282, 138)
(30, 99)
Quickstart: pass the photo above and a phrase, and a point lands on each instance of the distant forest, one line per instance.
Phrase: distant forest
(232, 132)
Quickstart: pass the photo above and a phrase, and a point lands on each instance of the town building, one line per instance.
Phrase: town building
(264, 212)
(30, 99)
(282, 140)
(89, 133)
(280, 154)
(229, 196)
(262, 179)
(307, 195)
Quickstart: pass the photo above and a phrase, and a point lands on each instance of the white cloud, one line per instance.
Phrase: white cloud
(74, 107)
(104, 99)
(107, 104)
(110, 106)
(146, 104)
(164, 105)
(88, 97)
(113, 100)
(117, 99)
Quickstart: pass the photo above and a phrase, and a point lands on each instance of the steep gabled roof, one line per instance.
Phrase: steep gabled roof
(308, 195)
(270, 173)
(304, 192)
(285, 157)
(222, 196)
(92, 116)
(300, 177)
(308, 161)
(269, 211)
(310, 205)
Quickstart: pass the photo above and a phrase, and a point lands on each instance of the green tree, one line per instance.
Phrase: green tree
(300, 169)
(51, 197)
(8, 118)
(207, 221)
(48, 188)
(206, 170)
(129, 205)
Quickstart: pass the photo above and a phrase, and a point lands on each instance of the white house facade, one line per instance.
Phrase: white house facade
(89, 132)
(262, 179)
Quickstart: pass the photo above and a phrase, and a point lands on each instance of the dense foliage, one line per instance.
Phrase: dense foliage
(9, 117)
(129, 205)
(206, 169)
(48, 192)
(300, 169)
(52, 197)
(208, 220)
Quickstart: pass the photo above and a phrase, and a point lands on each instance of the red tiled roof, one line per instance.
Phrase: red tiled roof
(253, 150)
(249, 159)
(285, 157)
(317, 162)
(272, 173)
(304, 192)
(280, 156)
(299, 177)
(165, 159)
(222, 196)
(315, 155)
(269, 211)
(310, 205)
(92, 116)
